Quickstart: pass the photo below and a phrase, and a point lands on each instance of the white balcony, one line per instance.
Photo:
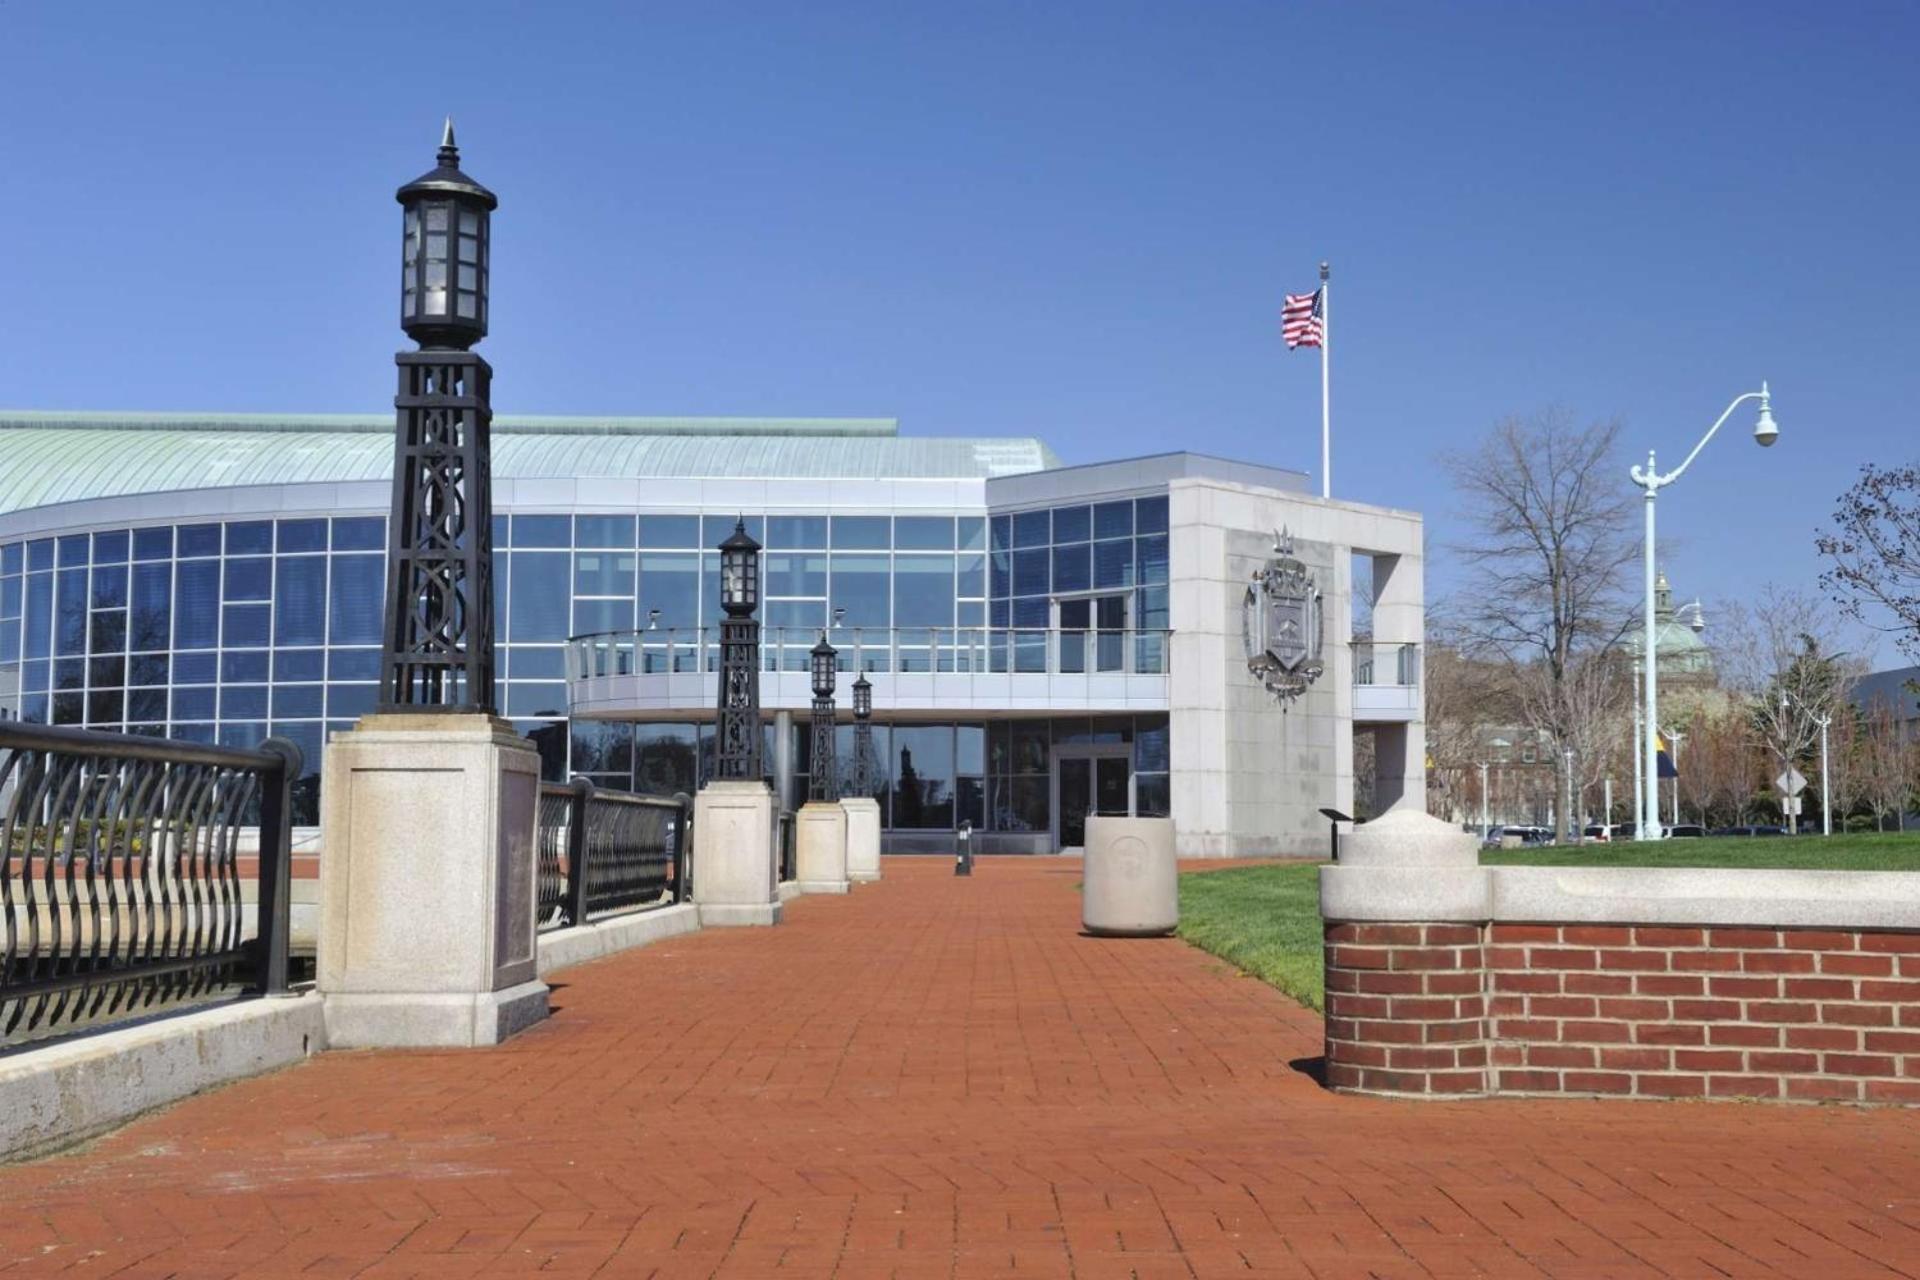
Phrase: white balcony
(1386, 681)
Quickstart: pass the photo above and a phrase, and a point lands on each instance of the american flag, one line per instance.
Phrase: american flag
(1302, 322)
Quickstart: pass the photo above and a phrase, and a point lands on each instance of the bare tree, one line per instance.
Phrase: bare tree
(1723, 764)
(1886, 764)
(1551, 521)
(1874, 549)
(1785, 657)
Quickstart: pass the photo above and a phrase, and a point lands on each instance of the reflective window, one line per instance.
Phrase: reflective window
(300, 600)
(357, 599)
(537, 608)
(923, 533)
(861, 533)
(923, 591)
(802, 532)
(361, 533)
(542, 531)
(603, 573)
(794, 574)
(861, 587)
(249, 537)
(671, 583)
(603, 531)
(669, 531)
(301, 535)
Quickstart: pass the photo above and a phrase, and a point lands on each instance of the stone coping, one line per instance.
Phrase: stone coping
(1624, 895)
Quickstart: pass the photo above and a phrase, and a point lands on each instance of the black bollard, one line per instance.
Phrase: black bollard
(963, 850)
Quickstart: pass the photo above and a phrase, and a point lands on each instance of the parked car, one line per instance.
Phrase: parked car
(1603, 834)
(1686, 830)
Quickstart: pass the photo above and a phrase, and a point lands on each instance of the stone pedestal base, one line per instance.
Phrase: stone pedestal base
(863, 838)
(427, 884)
(1130, 885)
(820, 847)
(735, 877)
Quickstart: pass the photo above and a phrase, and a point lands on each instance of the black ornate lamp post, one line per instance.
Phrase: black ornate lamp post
(737, 751)
(439, 624)
(824, 783)
(862, 782)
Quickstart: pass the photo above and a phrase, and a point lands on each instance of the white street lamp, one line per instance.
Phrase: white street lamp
(1764, 434)
(1826, 802)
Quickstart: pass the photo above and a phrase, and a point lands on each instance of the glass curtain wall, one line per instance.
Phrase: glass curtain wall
(1103, 547)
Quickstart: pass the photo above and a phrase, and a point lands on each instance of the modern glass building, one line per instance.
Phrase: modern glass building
(1044, 641)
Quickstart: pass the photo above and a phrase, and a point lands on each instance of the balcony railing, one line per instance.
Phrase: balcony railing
(903, 650)
(602, 852)
(1385, 663)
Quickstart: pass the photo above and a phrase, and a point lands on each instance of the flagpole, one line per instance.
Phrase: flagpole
(1326, 429)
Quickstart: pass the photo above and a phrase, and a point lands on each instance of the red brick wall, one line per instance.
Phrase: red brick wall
(1625, 1010)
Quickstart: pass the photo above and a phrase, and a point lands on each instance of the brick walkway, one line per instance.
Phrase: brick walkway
(940, 1078)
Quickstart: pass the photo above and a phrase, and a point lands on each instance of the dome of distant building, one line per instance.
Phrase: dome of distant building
(1682, 653)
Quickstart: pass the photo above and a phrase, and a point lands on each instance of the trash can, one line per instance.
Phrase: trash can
(1129, 883)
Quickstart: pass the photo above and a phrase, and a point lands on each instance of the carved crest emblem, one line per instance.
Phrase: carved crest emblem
(1282, 623)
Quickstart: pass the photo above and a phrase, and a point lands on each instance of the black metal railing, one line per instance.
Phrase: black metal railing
(121, 875)
(602, 852)
(784, 841)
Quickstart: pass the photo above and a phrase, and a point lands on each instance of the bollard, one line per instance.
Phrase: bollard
(963, 850)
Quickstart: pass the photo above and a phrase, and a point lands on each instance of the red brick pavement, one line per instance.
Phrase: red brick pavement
(939, 1077)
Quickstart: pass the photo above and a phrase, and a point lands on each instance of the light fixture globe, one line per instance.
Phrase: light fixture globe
(444, 257)
(862, 697)
(825, 659)
(740, 573)
(1765, 431)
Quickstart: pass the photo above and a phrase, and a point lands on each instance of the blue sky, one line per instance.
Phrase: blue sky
(1074, 221)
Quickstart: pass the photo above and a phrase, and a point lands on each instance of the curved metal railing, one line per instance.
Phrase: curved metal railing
(121, 874)
(601, 852)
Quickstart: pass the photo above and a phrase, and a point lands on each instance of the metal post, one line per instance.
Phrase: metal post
(963, 850)
(1650, 659)
(1826, 797)
(1607, 794)
(274, 910)
(1484, 820)
(682, 849)
(577, 852)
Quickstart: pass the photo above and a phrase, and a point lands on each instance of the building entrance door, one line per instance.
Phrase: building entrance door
(1092, 632)
(1091, 778)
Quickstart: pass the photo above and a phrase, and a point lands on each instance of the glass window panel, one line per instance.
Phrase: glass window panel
(12, 559)
(436, 217)
(356, 599)
(860, 586)
(923, 533)
(860, 533)
(153, 544)
(971, 578)
(148, 668)
(245, 701)
(671, 583)
(923, 777)
(524, 699)
(1151, 556)
(250, 537)
(351, 701)
(147, 704)
(537, 609)
(464, 305)
(106, 708)
(970, 748)
(1150, 608)
(1152, 795)
(1072, 524)
(196, 620)
(300, 600)
(603, 573)
(591, 617)
(9, 597)
(10, 641)
(971, 613)
(353, 664)
(110, 547)
(243, 668)
(971, 533)
(364, 533)
(40, 553)
(794, 574)
(1113, 563)
(297, 701)
(797, 532)
(500, 538)
(469, 222)
(665, 758)
(1002, 575)
(1031, 529)
(810, 614)
(110, 586)
(70, 673)
(1020, 804)
(109, 631)
(250, 578)
(302, 535)
(602, 746)
(669, 531)
(542, 531)
(1113, 520)
(1030, 576)
(73, 550)
(1150, 515)
(1152, 744)
(1002, 527)
(715, 530)
(199, 540)
(245, 625)
(106, 672)
(34, 675)
(538, 663)
(299, 665)
(603, 531)
(70, 617)
(923, 591)
(1072, 568)
(243, 734)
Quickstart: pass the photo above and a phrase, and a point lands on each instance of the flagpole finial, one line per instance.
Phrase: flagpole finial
(1323, 273)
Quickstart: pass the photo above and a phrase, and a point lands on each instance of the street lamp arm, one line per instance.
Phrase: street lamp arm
(1661, 482)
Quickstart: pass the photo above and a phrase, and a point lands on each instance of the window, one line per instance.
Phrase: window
(860, 533)
(860, 586)
(922, 591)
(537, 609)
(356, 595)
(803, 532)
(300, 600)
(923, 533)
(669, 531)
(671, 584)
(603, 531)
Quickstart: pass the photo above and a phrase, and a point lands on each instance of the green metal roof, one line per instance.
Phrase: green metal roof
(48, 458)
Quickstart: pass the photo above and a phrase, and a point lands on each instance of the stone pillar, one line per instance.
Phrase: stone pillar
(863, 837)
(735, 872)
(820, 847)
(1405, 967)
(427, 883)
(1131, 883)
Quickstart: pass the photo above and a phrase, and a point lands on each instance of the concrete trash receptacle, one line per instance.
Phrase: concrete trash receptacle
(1130, 886)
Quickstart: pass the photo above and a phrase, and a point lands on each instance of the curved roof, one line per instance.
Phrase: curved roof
(48, 458)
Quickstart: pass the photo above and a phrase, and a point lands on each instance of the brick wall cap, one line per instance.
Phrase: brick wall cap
(1704, 896)
(1349, 893)
(1408, 838)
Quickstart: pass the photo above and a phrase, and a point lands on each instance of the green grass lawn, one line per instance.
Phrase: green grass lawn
(1266, 920)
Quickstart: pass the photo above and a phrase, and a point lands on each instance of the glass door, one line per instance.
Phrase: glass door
(1087, 779)
(1075, 777)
